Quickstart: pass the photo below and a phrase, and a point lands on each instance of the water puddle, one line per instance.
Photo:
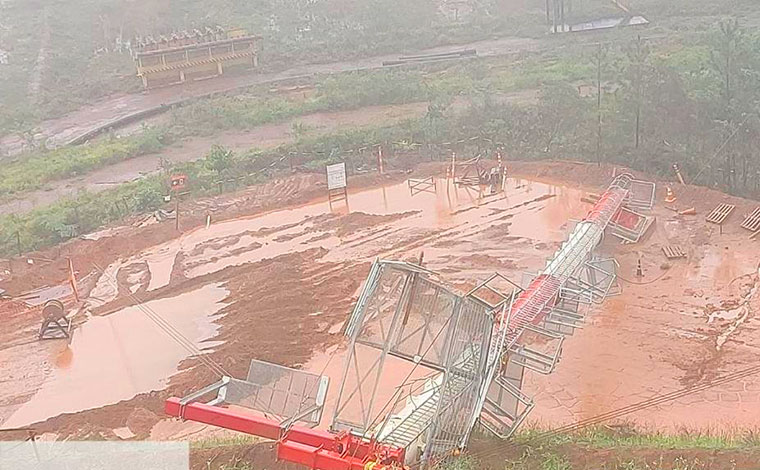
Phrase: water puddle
(115, 357)
(719, 266)
(43, 294)
(386, 222)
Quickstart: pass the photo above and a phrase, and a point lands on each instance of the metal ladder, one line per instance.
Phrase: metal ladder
(406, 432)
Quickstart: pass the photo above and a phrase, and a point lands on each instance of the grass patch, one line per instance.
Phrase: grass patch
(227, 441)
(33, 170)
(603, 437)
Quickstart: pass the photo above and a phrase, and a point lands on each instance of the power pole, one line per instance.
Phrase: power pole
(176, 212)
(599, 54)
(637, 54)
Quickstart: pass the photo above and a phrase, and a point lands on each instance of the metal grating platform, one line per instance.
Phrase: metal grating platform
(289, 394)
(720, 214)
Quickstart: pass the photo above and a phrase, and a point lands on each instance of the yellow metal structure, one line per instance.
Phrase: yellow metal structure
(194, 55)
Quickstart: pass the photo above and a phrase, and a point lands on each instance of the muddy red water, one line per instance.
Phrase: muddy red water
(385, 222)
(115, 357)
(293, 275)
(454, 226)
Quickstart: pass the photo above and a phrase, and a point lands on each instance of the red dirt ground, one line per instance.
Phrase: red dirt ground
(283, 307)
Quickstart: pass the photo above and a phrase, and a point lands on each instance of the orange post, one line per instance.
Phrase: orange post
(73, 281)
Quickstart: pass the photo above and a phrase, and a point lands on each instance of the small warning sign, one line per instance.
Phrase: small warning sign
(336, 176)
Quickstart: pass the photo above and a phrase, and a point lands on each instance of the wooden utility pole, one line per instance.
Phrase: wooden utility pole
(637, 55)
(599, 54)
(176, 212)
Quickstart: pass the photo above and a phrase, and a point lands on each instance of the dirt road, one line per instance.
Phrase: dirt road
(266, 136)
(193, 148)
(105, 112)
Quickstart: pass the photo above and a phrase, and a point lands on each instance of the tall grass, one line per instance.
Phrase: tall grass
(33, 170)
(628, 436)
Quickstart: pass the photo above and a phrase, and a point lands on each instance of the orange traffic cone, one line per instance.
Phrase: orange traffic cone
(689, 211)
(669, 196)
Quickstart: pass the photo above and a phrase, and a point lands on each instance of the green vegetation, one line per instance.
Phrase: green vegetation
(65, 54)
(65, 35)
(219, 170)
(662, 103)
(33, 170)
(621, 448)
(227, 441)
(601, 437)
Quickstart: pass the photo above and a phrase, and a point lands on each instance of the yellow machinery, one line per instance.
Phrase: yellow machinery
(193, 55)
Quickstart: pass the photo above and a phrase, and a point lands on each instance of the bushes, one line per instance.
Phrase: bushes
(437, 83)
(32, 171)
(71, 217)
(680, 100)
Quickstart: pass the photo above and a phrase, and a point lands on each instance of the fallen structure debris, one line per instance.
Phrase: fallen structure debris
(463, 356)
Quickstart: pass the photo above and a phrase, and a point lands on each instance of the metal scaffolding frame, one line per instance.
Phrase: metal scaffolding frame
(551, 304)
(464, 357)
(403, 314)
(548, 306)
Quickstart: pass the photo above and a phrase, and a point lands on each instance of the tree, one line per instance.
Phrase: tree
(637, 54)
(600, 61)
(724, 60)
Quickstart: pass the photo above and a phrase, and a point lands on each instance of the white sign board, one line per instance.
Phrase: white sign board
(336, 176)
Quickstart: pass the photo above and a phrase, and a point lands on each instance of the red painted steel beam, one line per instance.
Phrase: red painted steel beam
(316, 457)
(224, 418)
(313, 448)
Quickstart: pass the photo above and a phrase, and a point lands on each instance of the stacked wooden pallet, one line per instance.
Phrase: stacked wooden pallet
(720, 213)
(673, 251)
(752, 221)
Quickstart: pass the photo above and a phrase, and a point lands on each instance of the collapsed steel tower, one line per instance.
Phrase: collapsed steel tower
(424, 364)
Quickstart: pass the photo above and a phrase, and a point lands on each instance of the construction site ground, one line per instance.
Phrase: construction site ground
(276, 273)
